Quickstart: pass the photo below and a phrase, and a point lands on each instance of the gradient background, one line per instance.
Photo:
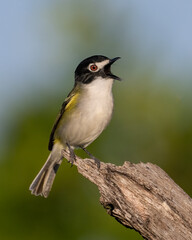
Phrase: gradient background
(41, 44)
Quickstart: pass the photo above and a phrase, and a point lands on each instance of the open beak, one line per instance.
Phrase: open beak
(108, 69)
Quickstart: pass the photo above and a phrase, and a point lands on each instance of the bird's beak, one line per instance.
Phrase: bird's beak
(108, 69)
(114, 60)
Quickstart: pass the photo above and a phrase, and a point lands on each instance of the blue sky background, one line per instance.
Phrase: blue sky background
(30, 45)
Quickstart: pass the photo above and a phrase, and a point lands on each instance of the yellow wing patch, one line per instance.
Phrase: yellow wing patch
(72, 102)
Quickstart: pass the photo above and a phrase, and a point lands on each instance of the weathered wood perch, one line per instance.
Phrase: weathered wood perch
(141, 196)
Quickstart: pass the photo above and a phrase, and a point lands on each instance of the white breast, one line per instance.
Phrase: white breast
(92, 114)
(98, 95)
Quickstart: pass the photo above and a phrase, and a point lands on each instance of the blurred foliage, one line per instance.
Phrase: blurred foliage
(152, 123)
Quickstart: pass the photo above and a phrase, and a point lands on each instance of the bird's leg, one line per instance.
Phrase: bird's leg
(72, 154)
(97, 161)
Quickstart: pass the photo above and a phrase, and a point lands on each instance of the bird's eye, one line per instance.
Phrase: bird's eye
(93, 68)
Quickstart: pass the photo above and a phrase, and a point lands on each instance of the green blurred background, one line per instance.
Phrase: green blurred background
(42, 42)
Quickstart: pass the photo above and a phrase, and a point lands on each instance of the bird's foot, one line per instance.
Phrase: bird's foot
(97, 161)
(72, 155)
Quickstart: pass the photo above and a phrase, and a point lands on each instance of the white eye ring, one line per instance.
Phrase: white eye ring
(93, 67)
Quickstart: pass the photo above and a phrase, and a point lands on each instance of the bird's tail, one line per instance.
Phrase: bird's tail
(43, 182)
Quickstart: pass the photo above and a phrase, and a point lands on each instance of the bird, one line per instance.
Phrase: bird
(84, 115)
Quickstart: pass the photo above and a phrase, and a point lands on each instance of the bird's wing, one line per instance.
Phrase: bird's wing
(59, 116)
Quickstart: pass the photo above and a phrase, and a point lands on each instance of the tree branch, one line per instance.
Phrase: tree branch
(141, 196)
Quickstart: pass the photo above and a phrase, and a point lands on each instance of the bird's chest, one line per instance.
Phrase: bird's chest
(97, 102)
(90, 115)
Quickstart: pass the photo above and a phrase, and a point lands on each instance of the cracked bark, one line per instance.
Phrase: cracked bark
(143, 197)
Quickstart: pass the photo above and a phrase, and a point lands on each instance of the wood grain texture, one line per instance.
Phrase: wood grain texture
(141, 196)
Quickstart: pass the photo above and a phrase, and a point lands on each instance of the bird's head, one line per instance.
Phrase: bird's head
(94, 67)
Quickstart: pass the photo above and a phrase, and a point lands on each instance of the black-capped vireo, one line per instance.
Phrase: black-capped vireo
(85, 113)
